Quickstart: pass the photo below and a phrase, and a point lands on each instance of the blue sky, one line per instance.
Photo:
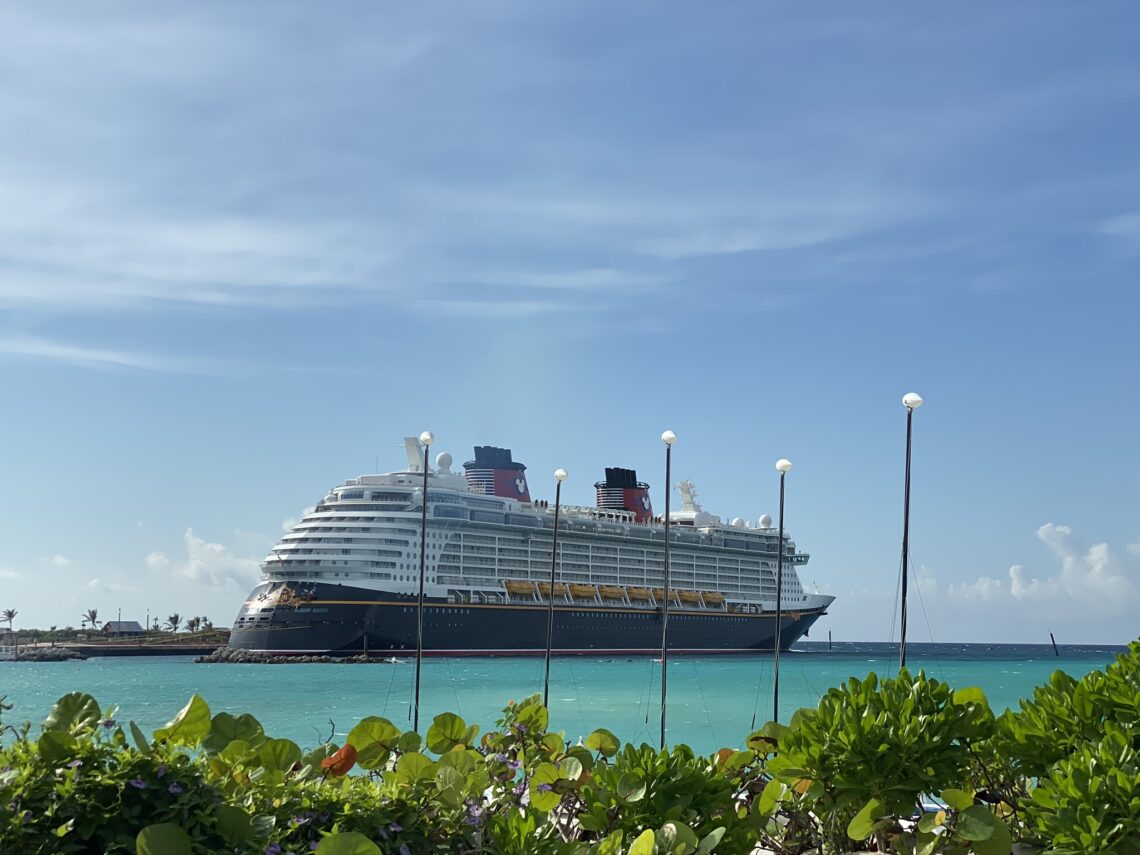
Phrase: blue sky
(243, 251)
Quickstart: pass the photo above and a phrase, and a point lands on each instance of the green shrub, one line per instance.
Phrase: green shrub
(854, 768)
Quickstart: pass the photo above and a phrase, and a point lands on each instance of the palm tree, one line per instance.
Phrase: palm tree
(193, 624)
(91, 616)
(9, 615)
(51, 634)
(173, 622)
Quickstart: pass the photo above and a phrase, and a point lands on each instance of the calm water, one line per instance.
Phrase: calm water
(712, 700)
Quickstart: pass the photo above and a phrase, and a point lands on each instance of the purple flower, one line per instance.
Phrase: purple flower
(138, 783)
(313, 846)
(474, 814)
(75, 764)
(161, 770)
(404, 850)
(521, 728)
(108, 723)
(502, 758)
(395, 827)
(514, 765)
(174, 789)
(273, 849)
(545, 788)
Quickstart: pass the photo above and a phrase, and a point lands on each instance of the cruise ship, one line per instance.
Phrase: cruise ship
(345, 579)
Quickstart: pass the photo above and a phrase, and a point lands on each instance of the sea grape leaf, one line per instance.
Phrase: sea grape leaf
(373, 738)
(604, 742)
(55, 746)
(542, 795)
(863, 824)
(446, 732)
(233, 824)
(73, 712)
(347, 843)
(958, 799)
(190, 726)
(279, 754)
(645, 843)
(164, 838)
(141, 742)
(709, 841)
(225, 728)
(976, 823)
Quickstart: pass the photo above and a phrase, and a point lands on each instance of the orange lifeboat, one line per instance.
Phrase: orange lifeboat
(611, 592)
(713, 599)
(690, 597)
(590, 591)
(559, 589)
(514, 586)
(639, 593)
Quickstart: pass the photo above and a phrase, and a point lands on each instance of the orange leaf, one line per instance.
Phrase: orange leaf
(341, 762)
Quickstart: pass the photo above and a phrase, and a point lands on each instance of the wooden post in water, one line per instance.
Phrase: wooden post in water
(829, 641)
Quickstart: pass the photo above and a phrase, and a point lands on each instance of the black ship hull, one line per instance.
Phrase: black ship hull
(340, 619)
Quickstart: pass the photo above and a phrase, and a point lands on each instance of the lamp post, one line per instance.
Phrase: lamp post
(783, 466)
(425, 440)
(560, 475)
(668, 438)
(912, 401)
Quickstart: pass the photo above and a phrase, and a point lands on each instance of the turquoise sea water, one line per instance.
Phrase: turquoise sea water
(712, 700)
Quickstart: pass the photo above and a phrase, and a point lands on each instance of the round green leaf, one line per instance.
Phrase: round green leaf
(233, 824)
(976, 823)
(165, 838)
(57, 746)
(446, 732)
(413, 767)
(863, 824)
(604, 742)
(631, 787)
(374, 738)
(645, 843)
(74, 711)
(542, 795)
(190, 726)
(279, 754)
(347, 843)
(225, 728)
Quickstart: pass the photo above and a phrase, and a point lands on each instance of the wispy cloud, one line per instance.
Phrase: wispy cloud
(207, 563)
(91, 357)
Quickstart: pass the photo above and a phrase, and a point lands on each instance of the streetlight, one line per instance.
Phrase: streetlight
(560, 475)
(425, 440)
(668, 438)
(783, 466)
(912, 401)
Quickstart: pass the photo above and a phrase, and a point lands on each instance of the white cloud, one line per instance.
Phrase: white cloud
(205, 562)
(97, 584)
(288, 523)
(1090, 577)
(8, 574)
(60, 561)
(157, 561)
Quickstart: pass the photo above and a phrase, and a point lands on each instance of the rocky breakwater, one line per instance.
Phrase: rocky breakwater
(250, 657)
(48, 654)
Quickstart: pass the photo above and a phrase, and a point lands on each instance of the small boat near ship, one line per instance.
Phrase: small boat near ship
(345, 579)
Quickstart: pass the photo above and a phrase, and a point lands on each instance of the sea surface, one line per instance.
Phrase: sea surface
(712, 701)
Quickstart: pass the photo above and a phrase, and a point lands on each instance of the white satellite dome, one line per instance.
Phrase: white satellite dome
(738, 522)
(765, 521)
(443, 462)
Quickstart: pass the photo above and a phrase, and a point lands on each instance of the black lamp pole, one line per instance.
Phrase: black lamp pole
(426, 439)
(912, 401)
(783, 466)
(559, 477)
(668, 438)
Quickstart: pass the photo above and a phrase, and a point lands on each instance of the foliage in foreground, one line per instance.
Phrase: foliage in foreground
(905, 765)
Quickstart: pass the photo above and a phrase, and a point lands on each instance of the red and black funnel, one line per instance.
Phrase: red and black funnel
(621, 491)
(493, 473)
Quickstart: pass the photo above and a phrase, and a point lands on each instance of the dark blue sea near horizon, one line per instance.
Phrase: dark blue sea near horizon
(712, 699)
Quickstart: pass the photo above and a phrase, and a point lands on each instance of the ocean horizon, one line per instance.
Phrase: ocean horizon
(712, 700)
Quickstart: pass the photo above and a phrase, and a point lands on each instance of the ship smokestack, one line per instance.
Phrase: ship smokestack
(493, 473)
(621, 491)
